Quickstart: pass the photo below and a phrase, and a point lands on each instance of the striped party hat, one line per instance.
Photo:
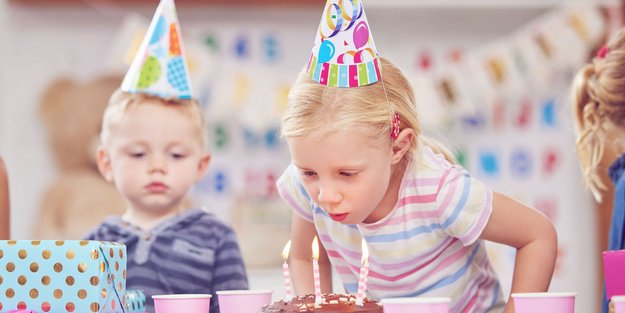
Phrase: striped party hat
(160, 67)
(344, 53)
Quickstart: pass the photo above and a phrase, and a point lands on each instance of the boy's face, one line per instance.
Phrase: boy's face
(154, 156)
(346, 173)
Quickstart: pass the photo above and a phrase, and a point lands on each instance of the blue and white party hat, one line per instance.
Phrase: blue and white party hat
(160, 67)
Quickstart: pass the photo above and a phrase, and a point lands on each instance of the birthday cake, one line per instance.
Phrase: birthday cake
(332, 303)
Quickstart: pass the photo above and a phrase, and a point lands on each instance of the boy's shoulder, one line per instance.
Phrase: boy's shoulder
(109, 229)
(198, 220)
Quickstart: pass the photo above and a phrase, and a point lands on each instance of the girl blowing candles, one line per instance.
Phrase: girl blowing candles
(361, 169)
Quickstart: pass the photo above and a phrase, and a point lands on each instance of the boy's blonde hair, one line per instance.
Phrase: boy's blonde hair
(598, 94)
(121, 101)
(314, 107)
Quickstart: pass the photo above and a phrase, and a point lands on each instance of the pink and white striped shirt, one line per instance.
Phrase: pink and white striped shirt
(427, 246)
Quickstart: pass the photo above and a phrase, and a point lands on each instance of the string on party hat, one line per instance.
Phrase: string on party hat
(344, 53)
(160, 67)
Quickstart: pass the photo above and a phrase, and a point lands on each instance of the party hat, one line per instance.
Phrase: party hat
(344, 54)
(160, 67)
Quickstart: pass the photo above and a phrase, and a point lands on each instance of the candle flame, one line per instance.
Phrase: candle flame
(365, 253)
(285, 251)
(315, 249)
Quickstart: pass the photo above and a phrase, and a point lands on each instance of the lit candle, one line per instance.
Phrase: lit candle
(315, 257)
(285, 272)
(364, 273)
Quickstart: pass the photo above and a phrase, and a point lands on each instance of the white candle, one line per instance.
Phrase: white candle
(364, 273)
(288, 288)
(315, 257)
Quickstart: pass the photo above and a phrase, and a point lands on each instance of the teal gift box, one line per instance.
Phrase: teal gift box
(62, 276)
(135, 301)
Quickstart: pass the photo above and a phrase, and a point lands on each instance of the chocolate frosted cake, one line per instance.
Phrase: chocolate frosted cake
(332, 303)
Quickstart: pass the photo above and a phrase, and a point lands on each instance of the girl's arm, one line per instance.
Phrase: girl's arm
(300, 258)
(4, 203)
(534, 237)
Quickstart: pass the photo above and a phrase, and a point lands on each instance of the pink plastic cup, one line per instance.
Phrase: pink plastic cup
(614, 272)
(187, 303)
(619, 304)
(544, 302)
(416, 304)
(243, 301)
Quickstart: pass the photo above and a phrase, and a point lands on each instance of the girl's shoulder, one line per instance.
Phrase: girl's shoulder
(427, 164)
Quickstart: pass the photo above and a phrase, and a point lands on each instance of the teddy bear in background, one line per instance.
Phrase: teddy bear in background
(79, 198)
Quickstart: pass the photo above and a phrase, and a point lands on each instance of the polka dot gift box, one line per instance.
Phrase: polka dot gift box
(62, 276)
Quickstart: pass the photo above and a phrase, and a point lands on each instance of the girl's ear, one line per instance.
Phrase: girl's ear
(104, 164)
(402, 144)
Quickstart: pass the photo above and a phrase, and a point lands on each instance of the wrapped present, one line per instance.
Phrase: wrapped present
(135, 301)
(62, 276)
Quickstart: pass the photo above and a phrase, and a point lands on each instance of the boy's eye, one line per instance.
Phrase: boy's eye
(349, 174)
(177, 155)
(137, 155)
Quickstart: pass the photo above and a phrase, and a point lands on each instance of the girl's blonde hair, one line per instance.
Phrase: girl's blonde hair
(314, 107)
(598, 94)
(121, 101)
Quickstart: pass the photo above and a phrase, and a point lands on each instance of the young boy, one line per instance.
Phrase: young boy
(153, 150)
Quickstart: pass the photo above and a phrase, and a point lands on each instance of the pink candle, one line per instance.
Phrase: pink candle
(288, 288)
(315, 256)
(364, 273)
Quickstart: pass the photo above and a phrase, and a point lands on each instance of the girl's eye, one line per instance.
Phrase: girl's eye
(137, 155)
(308, 173)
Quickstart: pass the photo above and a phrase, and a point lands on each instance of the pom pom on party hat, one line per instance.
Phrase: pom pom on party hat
(160, 67)
(344, 53)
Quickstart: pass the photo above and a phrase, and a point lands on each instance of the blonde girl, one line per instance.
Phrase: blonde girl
(362, 170)
(599, 109)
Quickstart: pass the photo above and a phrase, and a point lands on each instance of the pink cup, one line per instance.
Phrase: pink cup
(619, 304)
(416, 304)
(187, 303)
(614, 272)
(544, 302)
(243, 301)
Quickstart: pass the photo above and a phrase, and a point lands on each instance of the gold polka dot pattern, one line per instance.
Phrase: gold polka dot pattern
(62, 276)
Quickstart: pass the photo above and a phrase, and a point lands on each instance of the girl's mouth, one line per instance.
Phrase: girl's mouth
(338, 217)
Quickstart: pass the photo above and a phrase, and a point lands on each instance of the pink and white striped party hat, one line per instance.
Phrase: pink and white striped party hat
(344, 53)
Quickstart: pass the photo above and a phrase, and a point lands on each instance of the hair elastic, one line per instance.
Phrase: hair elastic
(395, 126)
(602, 52)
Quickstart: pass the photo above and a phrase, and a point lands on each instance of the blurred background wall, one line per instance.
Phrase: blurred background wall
(491, 78)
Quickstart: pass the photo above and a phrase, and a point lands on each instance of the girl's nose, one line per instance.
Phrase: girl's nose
(327, 195)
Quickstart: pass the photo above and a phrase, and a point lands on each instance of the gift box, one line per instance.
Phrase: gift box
(135, 301)
(62, 276)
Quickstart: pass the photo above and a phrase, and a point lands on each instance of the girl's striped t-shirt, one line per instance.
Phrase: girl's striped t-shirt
(427, 246)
